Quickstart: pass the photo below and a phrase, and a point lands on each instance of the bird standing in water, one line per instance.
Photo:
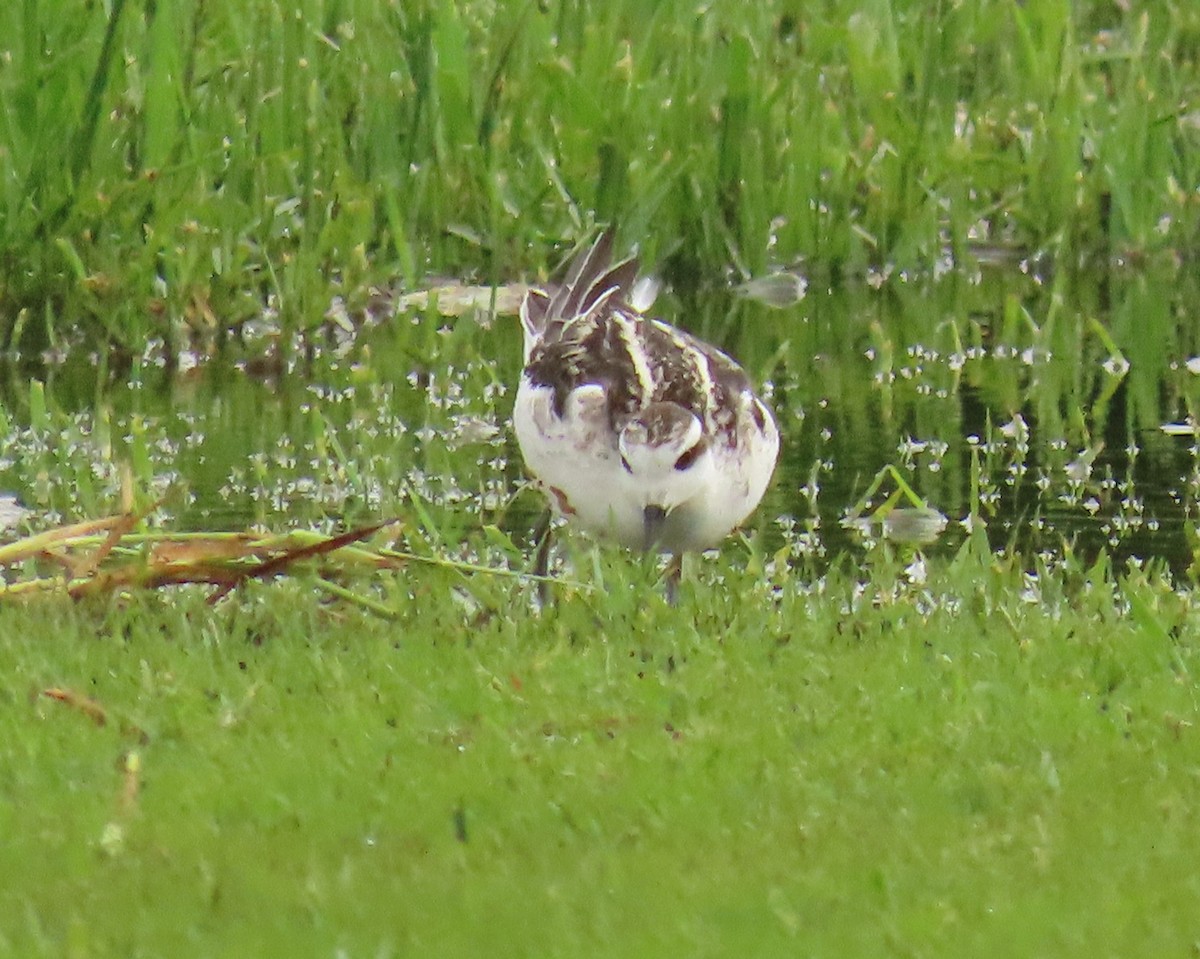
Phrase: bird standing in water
(639, 432)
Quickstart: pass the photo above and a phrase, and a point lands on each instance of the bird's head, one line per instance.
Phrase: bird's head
(667, 461)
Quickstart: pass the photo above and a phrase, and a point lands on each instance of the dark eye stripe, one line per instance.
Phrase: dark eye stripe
(688, 457)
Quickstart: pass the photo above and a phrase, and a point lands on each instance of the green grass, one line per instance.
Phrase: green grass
(857, 766)
(989, 750)
(167, 169)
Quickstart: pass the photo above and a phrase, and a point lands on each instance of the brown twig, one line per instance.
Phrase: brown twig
(279, 563)
(84, 704)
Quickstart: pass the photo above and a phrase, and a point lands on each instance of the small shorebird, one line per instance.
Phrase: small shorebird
(638, 432)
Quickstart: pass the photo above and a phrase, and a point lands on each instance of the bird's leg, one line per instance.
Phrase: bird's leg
(671, 577)
(541, 561)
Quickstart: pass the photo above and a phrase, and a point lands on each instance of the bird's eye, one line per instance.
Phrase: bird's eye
(625, 463)
(689, 456)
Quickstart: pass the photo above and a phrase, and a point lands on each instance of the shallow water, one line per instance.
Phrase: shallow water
(1033, 406)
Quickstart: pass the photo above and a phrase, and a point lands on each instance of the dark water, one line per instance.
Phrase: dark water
(1033, 406)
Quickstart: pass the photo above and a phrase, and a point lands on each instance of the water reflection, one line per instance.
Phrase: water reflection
(1032, 407)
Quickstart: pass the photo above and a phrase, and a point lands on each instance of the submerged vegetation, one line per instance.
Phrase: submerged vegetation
(277, 680)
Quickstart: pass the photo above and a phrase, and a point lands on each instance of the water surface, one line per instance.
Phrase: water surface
(1056, 412)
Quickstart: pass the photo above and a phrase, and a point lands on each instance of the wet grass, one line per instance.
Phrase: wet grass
(170, 169)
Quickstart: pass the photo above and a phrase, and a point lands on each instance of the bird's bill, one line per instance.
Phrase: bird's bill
(654, 517)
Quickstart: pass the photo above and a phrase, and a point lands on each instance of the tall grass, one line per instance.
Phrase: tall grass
(167, 167)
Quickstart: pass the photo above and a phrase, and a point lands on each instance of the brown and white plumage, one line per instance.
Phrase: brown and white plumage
(639, 431)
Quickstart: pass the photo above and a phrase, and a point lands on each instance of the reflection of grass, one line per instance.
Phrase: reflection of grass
(169, 169)
(986, 760)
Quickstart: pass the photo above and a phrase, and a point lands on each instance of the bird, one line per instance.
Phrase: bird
(637, 431)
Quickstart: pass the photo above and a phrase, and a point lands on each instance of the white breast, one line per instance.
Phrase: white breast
(575, 457)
